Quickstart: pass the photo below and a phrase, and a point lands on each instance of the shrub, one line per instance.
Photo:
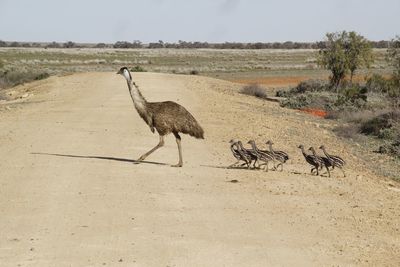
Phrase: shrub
(310, 86)
(254, 90)
(42, 76)
(194, 72)
(381, 123)
(297, 102)
(9, 78)
(138, 69)
(391, 149)
(378, 84)
(352, 96)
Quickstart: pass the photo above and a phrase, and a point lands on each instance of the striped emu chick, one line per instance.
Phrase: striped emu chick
(261, 155)
(239, 155)
(324, 161)
(248, 154)
(280, 156)
(311, 159)
(335, 161)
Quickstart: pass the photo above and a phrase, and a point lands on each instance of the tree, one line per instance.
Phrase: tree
(333, 57)
(393, 57)
(358, 52)
(69, 44)
(344, 52)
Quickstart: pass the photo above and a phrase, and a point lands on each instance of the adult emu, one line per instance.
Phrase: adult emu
(165, 117)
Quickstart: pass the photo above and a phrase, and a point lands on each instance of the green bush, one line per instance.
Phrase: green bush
(138, 69)
(297, 102)
(352, 96)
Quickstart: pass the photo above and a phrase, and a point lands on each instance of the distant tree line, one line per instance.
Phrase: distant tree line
(187, 45)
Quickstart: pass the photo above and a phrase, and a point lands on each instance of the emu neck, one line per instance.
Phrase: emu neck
(138, 100)
(326, 154)
(270, 147)
(253, 145)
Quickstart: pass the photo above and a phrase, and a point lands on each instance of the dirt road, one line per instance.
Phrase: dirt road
(71, 195)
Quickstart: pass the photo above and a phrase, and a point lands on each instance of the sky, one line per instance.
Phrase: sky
(91, 21)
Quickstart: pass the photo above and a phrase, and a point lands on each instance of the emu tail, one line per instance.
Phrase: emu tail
(192, 128)
(196, 130)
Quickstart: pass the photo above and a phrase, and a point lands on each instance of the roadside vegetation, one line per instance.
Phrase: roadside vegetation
(254, 90)
(370, 107)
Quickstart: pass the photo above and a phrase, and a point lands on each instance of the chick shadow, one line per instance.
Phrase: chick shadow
(230, 168)
(100, 158)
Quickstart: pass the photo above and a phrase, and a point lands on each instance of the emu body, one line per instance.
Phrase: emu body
(164, 117)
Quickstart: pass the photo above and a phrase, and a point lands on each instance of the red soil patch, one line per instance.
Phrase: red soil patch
(316, 112)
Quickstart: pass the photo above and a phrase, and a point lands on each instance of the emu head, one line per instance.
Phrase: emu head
(251, 142)
(125, 72)
(269, 142)
(301, 146)
(233, 141)
(322, 147)
(312, 150)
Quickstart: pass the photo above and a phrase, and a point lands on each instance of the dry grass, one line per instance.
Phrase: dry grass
(245, 66)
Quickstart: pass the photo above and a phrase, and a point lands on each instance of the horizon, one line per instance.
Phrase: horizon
(209, 21)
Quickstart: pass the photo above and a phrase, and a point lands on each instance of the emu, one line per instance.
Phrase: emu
(248, 153)
(335, 161)
(165, 117)
(311, 159)
(323, 161)
(261, 155)
(239, 155)
(280, 156)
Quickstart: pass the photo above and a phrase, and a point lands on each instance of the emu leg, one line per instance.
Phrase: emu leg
(329, 173)
(234, 164)
(178, 142)
(160, 144)
(280, 164)
(344, 175)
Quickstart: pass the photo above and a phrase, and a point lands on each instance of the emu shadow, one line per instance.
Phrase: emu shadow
(99, 157)
(230, 168)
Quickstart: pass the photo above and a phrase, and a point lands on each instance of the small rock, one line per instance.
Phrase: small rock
(234, 181)
(25, 95)
(120, 260)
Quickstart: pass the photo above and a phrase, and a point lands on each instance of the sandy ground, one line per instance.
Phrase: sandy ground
(71, 194)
